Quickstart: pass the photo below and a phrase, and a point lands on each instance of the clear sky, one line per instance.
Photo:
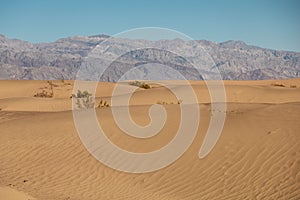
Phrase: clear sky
(266, 23)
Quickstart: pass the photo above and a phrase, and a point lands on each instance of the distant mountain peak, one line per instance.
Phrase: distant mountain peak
(99, 36)
(233, 43)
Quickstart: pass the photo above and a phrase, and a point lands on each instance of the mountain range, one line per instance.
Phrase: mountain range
(235, 60)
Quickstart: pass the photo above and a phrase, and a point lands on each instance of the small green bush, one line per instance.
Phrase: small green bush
(83, 99)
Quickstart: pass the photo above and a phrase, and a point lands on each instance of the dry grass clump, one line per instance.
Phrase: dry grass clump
(168, 103)
(64, 82)
(46, 92)
(103, 104)
(83, 99)
(278, 85)
(140, 84)
(52, 85)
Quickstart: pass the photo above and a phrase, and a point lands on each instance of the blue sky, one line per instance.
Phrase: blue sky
(266, 23)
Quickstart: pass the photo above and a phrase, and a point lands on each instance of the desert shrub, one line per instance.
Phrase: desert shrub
(140, 84)
(51, 84)
(83, 99)
(278, 85)
(83, 94)
(179, 101)
(64, 82)
(103, 104)
(44, 94)
(293, 86)
(168, 103)
(162, 102)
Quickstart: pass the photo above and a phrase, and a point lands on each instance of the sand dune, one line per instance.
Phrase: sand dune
(256, 157)
(11, 194)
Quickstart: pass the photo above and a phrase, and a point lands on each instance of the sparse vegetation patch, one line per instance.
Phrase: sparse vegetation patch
(83, 99)
(46, 92)
(168, 103)
(140, 84)
(103, 104)
(278, 85)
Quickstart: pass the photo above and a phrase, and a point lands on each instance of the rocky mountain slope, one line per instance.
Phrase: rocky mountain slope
(62, 59)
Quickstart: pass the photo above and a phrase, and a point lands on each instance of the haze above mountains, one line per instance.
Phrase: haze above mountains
(62, 59)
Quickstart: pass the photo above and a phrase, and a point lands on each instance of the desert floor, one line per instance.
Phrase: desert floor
(256, 157)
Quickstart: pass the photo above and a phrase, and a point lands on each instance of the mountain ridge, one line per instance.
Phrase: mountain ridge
(62, 58)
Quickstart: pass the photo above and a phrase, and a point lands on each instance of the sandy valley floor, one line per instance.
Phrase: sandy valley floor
(256, 157)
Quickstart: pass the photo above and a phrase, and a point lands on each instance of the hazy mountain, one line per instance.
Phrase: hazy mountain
(62, 59)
